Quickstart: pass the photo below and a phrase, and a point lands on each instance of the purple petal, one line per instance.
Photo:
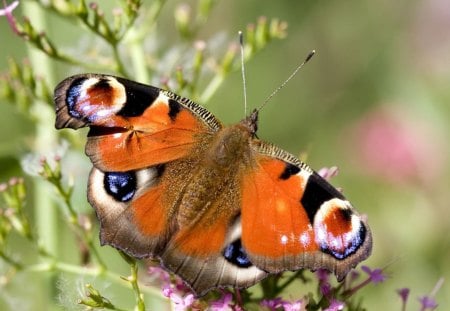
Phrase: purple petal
(272, 304)
(294, 306)
(403, 293)
(323, 275)
(428, 303)
(167, 291)
(376, 275)
(222, 304)
(328, 172)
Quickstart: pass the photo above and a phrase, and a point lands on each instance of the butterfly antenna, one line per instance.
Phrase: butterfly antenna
(241, 43)
(310, 55)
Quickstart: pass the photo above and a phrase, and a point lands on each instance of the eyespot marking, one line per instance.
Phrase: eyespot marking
(236, 255)
(120, 185)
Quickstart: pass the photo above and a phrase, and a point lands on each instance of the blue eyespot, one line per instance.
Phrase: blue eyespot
(350, 248)
(73, 92)
(120, 185)
(235, 254)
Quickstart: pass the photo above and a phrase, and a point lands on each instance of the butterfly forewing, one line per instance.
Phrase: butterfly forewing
(132, 125)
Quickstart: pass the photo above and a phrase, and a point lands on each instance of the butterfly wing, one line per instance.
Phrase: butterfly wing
(137, 132)
(130, 210)
(292, 218)
(208, 255)
(132, 125)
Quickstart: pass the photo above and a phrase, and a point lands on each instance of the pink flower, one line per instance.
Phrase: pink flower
(167, 291)
(335, 305)
(159, 274)
(323, 275)
(223, 304)
(180, 303)
(7, 11)
(325, 289)
(328, 172)
(396, 145)
(298, 305)
(272, 304)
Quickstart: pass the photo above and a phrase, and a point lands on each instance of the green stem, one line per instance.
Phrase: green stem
(17, 265)
(73, 218)
(155, 10)
(94, 272)
(133, 279)
(134, 40)
(72, 61)
(120, 68)
(140, 68)
(46, 214)
(211, 88)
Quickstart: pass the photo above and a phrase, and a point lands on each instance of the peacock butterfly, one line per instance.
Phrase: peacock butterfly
(215, 204)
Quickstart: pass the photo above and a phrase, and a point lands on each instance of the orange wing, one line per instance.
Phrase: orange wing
(292, 218)
(132, 126)
(130, 210)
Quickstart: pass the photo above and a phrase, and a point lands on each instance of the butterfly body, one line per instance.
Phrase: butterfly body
(215, 204)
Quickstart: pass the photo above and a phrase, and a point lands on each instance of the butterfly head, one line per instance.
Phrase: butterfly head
(251, 122)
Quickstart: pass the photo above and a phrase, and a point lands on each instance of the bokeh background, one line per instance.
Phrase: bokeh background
(374, 101)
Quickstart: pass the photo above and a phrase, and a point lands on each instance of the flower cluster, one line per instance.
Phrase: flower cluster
(331, 297)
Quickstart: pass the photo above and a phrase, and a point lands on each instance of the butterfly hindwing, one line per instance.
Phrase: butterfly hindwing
(130, 210)
(132, 125)
(206, 259)
(292, 218)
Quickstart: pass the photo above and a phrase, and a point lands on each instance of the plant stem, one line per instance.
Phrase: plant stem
(46, 213)
(73, 219)
(134, 39)
(133, 279)
(94, 272)
(140, 68)
(212, 88)
(120, 68)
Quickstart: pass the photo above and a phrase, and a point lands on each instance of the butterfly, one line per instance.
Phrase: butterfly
(215, 204)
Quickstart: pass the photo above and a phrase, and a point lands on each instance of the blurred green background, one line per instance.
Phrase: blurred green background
(374, 101)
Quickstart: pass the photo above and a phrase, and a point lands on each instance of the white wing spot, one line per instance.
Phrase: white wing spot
(305, 239)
